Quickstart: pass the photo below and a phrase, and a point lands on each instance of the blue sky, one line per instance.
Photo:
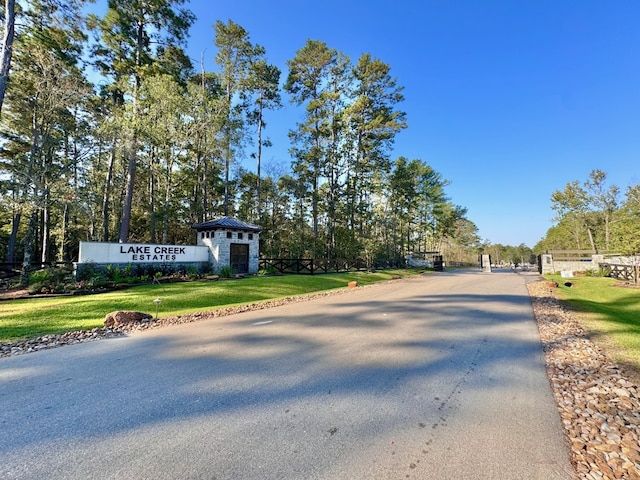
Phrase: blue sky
(508, 100)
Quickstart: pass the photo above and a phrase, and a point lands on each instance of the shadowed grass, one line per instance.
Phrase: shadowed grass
(610, 314)
(29, 318)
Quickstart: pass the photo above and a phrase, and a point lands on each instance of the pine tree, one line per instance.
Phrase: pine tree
(131, 33)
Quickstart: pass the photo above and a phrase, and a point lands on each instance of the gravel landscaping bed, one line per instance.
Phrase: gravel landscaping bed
(599, 404)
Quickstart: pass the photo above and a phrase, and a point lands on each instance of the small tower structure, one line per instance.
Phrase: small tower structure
(231, 242)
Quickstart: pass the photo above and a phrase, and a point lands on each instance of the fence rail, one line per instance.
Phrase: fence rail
(312, 266)
(625, 273)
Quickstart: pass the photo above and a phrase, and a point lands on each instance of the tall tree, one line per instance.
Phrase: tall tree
(201, 176)
(416, 194)
(41, 108)
(590, 206)
(603, 200)
(309, 83)
(164, 128)
(625, 232)
(263, 83)
(235, 56)
(572, 204)
(9, 30)
(6, 50)
(374, 121)
(132, 32)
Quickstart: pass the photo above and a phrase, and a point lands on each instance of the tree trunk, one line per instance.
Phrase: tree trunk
(593, 245)
(106, 197)
(227, 159)
(205, 191)
(195, 211)
(606, 232)
(128, 196)
(167, 201)
(29, 243)
(46, 227)
(63, 254)
(259, 159)
(11, 250)
(227, 165)
(132, 147)
(152, 201)
(7, 47)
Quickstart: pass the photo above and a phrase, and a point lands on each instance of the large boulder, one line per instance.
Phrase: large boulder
(120, 317)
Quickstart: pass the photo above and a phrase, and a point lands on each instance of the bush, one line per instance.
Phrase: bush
(35, 288)
(128, 274)
(49, 280)
(111, 272)
(205, 269)
(39, 277)
(87, 271)
(270, 270)
(192, 272)
(225, 272)
(598, 272)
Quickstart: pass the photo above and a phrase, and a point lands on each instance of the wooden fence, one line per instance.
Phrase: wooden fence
(625, 273)
(312, 266)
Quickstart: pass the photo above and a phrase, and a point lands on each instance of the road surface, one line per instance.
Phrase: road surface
(435, 377)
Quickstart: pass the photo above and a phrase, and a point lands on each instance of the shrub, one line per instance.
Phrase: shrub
(604, 272)
(270, 270)
(598, 272)
(205, 269)
(127, 271)
(35, 288)
(87, 270)
(39, 277)
(192, 272)
(225, 272)
(49, 280)
(110, 271)
(99, 281)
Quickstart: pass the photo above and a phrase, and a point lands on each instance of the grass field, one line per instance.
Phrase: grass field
(609, 313)
(33, 317)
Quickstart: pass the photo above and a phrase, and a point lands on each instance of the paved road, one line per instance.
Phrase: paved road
(438, 377)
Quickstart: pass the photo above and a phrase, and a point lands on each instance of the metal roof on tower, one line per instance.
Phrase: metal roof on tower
(227, 223)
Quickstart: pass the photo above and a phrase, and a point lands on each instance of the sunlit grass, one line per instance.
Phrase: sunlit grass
(39, 316)
(609, 313)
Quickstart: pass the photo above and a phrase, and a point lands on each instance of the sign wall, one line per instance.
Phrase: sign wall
(117, 253)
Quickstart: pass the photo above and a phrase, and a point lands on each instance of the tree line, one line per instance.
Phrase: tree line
(595, 215)
(109, 132)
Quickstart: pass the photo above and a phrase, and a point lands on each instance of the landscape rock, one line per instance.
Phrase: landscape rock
(120, 317)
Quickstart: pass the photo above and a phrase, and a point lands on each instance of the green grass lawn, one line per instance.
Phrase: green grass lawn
(609, 313)
(33, 317)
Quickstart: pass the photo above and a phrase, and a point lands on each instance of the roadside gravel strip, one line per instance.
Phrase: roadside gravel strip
(598, 403)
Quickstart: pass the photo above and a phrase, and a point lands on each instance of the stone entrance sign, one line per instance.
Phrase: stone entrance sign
(222, 242)
(125, 253)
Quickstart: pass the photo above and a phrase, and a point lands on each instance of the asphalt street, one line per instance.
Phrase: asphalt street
(436, 377)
